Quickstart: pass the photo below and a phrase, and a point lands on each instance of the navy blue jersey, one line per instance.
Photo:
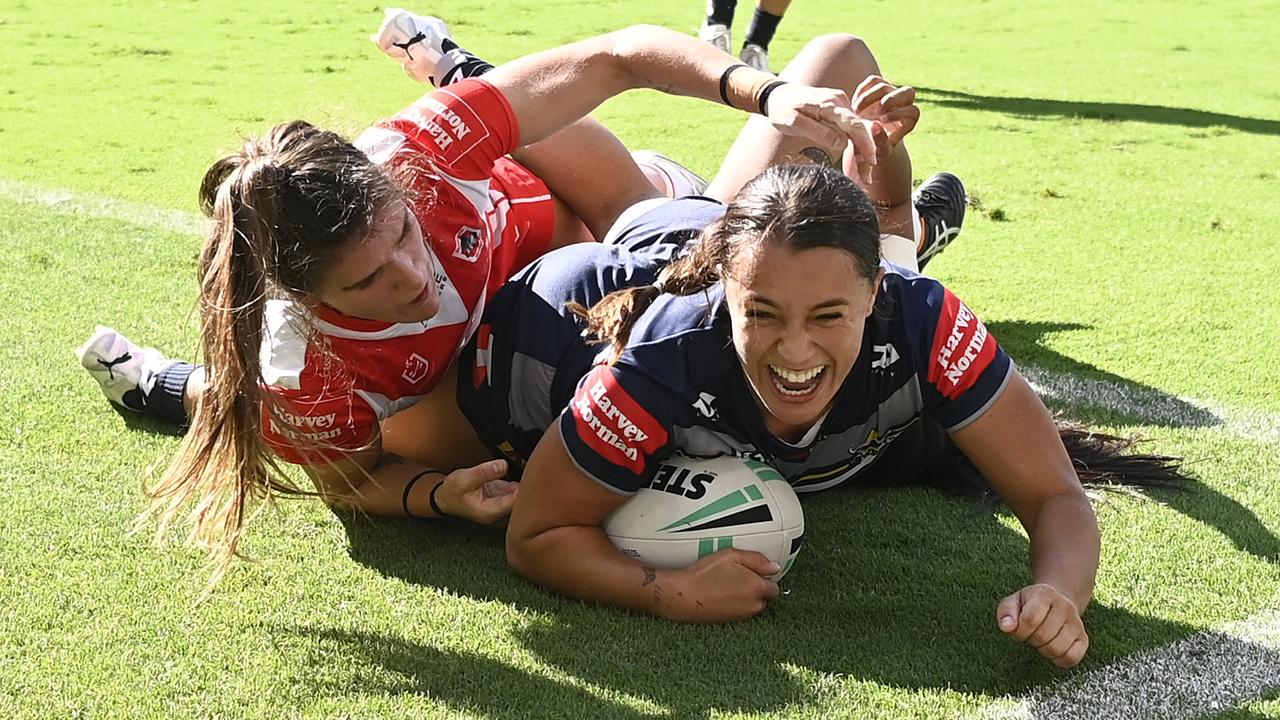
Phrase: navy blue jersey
(678, 387)
(521, 368)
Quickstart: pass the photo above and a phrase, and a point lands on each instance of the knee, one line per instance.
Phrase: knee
(841, 49)
(838, 60)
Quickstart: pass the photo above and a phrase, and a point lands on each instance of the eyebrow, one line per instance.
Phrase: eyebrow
(368, 279)
(833, 302)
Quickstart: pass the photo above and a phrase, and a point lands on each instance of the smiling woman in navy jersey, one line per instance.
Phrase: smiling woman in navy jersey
(781, 336)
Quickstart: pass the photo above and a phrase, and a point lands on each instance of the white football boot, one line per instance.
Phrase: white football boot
(414, 41)
(717, 35)
(124, 371)
(755, 56)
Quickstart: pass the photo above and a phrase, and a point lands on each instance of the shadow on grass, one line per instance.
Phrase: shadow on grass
(1089, 394)
(1104, 396)
(146, 423)
(1038, 107)
(465, 682)
(897, 587)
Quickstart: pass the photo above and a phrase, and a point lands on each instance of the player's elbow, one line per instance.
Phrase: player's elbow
(520, 556)
(633, 50)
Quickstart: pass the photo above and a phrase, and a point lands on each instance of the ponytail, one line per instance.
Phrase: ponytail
(1105, 461)
(609, 321)
(281, 207)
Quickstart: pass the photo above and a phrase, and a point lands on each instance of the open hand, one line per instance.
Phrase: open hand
(826, 116)
(480, 493)
(893, 108)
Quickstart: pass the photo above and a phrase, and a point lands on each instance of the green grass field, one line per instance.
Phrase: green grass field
(1126, 158)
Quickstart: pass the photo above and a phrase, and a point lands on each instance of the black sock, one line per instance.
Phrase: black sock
(720, 12)
(763, 26)
(164, 402)
(458, 64)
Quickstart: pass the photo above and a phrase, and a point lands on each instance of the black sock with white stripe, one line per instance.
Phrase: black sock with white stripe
(458, 64)
(164, 400)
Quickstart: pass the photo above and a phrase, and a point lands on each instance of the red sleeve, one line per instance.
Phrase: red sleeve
(314, 431)
(464, 127)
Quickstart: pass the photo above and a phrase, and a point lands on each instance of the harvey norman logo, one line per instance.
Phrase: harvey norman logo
(453, 126)
(611, 422)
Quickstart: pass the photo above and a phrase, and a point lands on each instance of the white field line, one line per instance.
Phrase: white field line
(76, 203)
(1202, 675)
(1152, 405)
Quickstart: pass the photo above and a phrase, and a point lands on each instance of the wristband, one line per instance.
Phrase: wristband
(766, 92)
(408, 487)
(431, 498)
(724, 82)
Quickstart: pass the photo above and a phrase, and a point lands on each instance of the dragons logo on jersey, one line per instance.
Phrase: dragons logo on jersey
(416, 368)
(468, 245)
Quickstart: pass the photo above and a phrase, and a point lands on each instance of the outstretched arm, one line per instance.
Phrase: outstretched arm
(550, 89)
(1017, 447)
(376, 482)
(555, 540)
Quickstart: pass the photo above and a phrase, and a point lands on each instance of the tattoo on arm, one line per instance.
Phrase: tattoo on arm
(818, 156)
(649, 575)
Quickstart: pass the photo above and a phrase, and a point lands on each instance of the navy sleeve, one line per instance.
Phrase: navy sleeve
(615, 428)
(961, 367)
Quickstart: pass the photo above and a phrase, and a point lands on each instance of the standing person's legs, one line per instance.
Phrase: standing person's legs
(764, 23)
(715, 28)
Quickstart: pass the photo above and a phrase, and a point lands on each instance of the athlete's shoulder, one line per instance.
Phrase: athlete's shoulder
(678, 338)
(460, 130)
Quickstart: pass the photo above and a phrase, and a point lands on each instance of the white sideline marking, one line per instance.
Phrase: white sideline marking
(1202, 675)
(1152, 405)
(71, 202)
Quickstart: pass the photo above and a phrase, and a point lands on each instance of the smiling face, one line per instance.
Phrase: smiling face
(797, 318)
(387, 275)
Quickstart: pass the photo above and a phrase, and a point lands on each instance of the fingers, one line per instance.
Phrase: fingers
(755, 562)
(869, 97)
(1074, 654)
(497, 488)
(1007, 612)
(1034, 609)
(1047, 620)
(864, 150)
(468, 479)
(900, 98)
(816, 131)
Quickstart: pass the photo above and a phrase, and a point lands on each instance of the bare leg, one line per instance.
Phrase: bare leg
(588, 169)
(837, 61)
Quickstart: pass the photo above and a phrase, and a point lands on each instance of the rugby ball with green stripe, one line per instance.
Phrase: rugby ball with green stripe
(696, 506)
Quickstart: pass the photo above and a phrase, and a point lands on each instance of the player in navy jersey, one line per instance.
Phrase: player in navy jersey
(340, 282)
(780, 336)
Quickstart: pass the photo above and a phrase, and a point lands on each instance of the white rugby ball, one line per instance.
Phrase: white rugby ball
(695, 506)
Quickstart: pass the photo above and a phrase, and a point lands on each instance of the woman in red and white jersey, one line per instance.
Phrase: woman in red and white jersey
(339, 282)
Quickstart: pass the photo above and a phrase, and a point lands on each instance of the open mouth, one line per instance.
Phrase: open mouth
(796, 384)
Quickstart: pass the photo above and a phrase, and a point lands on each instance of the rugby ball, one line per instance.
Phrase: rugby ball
(696, 506)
